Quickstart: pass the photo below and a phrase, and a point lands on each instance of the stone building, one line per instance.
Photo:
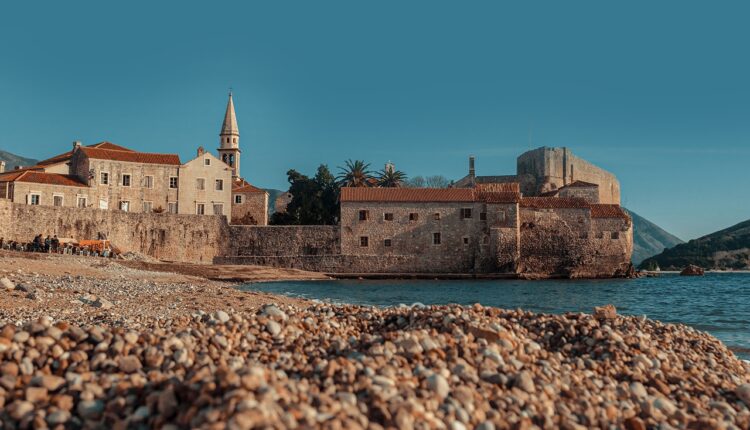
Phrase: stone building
(113, 177)
(546, 170)
(475, 231)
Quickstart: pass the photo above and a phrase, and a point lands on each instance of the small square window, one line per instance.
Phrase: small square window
(125, 180)
(148, 182)
(436, 216)
(238, 199)
(124, 205)
(172, 207)
(387, 243)
(413, 216)
(364, 215)
(482, 216)
(81, 202)
(173, 182)
(200, 184)
(436, 239)
(218, 209)
(388, 216)
(147, 207)
(219, 185)
(501, 216)
(600, 235)
(466, 213)
(200, 209)
(35, 199)
(364, 241)
(104, 178)
(57, 200)
(466, 240)
(615, 235)
(207, 161)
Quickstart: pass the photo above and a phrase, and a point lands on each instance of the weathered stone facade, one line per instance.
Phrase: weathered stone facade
(249, 204)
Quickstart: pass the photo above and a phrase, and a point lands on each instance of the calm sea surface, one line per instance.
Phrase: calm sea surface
(718, 303)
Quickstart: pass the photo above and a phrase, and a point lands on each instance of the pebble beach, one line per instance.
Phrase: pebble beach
(272, 362)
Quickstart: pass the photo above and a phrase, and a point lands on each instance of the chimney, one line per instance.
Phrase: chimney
(76, 144)
(17, 168)
(2, 166)
(201, 151)
(472, 172)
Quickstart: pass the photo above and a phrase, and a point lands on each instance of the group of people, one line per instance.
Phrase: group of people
(52, 245)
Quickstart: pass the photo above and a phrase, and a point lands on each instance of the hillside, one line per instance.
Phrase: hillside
(12, 160)
(725, 249)
(649, 239)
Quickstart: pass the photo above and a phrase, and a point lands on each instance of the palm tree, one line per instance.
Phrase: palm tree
(391, 178)
(355, 174)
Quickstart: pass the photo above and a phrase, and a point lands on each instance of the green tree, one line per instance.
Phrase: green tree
(355, 174)
(314, 200)
(391, 178)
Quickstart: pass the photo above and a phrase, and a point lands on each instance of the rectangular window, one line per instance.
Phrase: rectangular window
(148, 207)
(388, 216)
(200, 209)
(387, 243)
(238, 199)
(172, 207)
(364, 215)
(501, 216)
(173, 182)
(482, 216)
(104, 178)
(615, 235)
(200, 184)
(148, 182)
(436, 238)
(219, 185)
(364, 241)
(465, 213)
(218, 209)
(82, 201)
(57, 200)
(124, 206)
(436, 216)
(35, 199)
(125, 180)
(413, 216)
(206, 161)
(600, 235)
(466, 240)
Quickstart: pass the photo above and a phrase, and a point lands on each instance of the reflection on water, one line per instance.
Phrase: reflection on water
(718, 302)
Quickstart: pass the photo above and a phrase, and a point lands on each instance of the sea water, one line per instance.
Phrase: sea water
(718, 303)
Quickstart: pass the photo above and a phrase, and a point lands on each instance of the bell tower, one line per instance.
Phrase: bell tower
(229, 140)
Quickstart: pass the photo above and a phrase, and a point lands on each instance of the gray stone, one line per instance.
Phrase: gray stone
(439, 385)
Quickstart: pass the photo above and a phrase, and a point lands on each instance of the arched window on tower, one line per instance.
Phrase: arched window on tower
(234, 140)
(231, 160)
(224, 158)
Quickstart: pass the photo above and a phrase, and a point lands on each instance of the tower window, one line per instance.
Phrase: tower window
(234, 140)
(436, 239)
(227, 140)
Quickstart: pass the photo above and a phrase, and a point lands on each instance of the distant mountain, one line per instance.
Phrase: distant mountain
(725, 249)
(12, 160)
(649, 239)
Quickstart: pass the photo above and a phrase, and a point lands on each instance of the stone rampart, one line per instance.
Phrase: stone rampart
(283, 241)
(184, 238)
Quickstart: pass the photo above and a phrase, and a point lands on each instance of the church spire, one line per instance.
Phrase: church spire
(229, 127)
(229, 139)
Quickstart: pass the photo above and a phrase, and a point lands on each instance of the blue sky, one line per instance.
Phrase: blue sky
(656, 92)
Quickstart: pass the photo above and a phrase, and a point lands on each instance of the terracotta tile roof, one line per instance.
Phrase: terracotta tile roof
(554, 203)
(131, 156)
(498, 196)
(426, 195)
(608, 211)
(12, 175)
(366, 194)
(109, 145)
(242, 186)
(46, 178)
(502, 187)
(551, 193)
(54, 160)
(581, 184)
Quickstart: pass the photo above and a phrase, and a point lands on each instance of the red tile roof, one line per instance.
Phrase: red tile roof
(426, 195)
(131, 156)
(554, 203)
(242, 186)
(54, 160)
(66, 156)
(608, 211)
(581, 184)
(12, 175)
(109, 145)
(45, 178)
(501, 187)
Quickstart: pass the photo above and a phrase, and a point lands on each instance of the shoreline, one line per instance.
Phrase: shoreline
(86, 342)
